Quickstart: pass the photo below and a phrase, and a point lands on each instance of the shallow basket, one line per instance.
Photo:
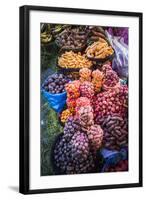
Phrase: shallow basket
(77, 49)
(102, 60)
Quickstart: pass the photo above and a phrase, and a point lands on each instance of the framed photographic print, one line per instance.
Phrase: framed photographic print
(80, 99)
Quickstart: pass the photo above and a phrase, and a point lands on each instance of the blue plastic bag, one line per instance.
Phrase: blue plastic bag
(56, 101)
(113, 157)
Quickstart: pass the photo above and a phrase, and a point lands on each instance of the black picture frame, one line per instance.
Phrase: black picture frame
(24, 98)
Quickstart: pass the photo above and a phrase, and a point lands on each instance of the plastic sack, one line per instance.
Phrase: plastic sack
(123, 82)
(120, 61)
(113, 157)
(120, 32)
(56, 101)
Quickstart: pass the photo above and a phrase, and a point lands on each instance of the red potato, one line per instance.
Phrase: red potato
(111, 102)
(87, 89)
(115, 131)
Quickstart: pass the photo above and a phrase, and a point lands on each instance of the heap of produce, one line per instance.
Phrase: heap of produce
(106, 67)
(71, 126)
(115, 132)
(95, 136)
(97, 80)
(71, 104)
(82, 102)
(119, 167)
(96, 32)
(62, 154)
(46, 37)
(73, 156)
(55, 83)
(85, 74)
(99, 50)
(74, 38)
(49, 32)
(65, 115)
(73, 60)
(86, 117)
(87, 89)
(111, 102)
(111, 80)
(80, 146)
(73, 89)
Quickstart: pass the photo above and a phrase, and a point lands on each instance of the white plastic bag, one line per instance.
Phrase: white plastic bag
(120, 61)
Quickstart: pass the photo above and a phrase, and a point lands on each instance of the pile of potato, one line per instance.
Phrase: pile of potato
(99, 50)
(73, 60)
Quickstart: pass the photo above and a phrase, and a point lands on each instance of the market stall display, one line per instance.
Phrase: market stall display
(90, 100)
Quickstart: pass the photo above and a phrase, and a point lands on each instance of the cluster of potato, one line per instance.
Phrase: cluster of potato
(85, 74)
(65, 115)
(50, 31)
(95, 136)
(115, 132)
(72, 38)
(111, 80)
(87, 89)
(82, 102)
(96, 32)
(97, 80)
(86, 117)
(111, 102)
(73, 89)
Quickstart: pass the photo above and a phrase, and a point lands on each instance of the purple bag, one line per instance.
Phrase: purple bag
(120, 61)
